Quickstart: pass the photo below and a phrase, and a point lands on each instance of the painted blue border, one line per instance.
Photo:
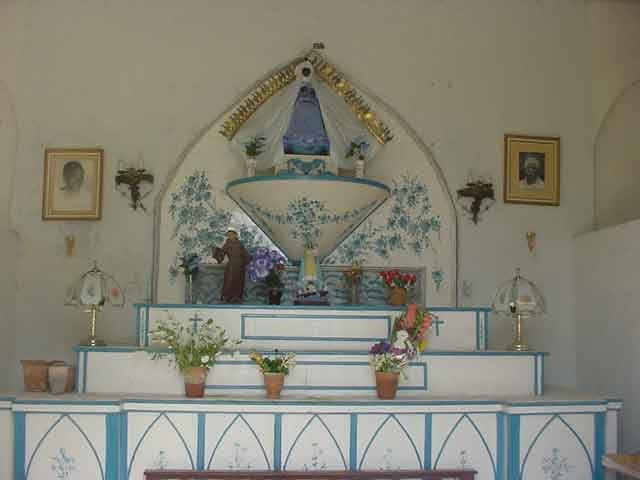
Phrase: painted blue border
(251, 316)
(353, 442)
(500, 448)
(112, 454)
(247, 306)
(19, 446)
(316, 178)
(202, 419)
(124, 447)
(277, 442)
(428, 440)
(513, 456)
(599, 430)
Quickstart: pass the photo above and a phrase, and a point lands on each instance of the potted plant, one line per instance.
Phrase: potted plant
(397, 284)
(267, 266)
(388, 361)
(252, 148)
(193, 350)
(274, 370)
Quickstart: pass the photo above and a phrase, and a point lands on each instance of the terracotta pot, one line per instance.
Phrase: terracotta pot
(387, 384)
(194, 379)
(273, 383)
(398, 296)
(61, 377)
(36, 375)
(275, 296)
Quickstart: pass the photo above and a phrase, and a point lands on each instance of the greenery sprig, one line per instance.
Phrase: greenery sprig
(280, 363)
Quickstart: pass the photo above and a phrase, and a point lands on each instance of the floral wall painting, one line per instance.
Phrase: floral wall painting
(72, 187)
(532, 170)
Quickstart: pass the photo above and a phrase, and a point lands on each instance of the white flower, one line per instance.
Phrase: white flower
(204, 359)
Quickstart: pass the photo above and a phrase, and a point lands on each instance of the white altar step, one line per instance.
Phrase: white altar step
(344, 373)
(266, 327)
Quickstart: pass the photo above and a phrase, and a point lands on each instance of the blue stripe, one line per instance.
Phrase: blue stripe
(477, 330)
(599, 445)
(500, 447)
(112, 453)
(428, 440)
(277, 442)
(124, 449)
(513, 466)
(367, 308)
(200, 445)
(306, 178)
(353, 442)
(19, 447)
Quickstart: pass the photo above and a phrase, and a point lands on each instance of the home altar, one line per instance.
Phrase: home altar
(305, 163)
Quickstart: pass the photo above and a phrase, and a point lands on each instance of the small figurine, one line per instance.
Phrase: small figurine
(234, 273)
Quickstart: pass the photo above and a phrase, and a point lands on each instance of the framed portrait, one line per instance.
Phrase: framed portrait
(531, 169)
(72, 184)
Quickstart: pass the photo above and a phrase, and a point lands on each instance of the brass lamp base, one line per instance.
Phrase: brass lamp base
(93, 341)
(518, 345)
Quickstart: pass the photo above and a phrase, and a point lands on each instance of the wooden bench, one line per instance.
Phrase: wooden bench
(309, 475)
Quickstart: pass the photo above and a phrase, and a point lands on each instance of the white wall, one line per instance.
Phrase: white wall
(144, 77)
(607, 276)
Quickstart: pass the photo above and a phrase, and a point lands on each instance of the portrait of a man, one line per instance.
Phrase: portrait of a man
(531, 170)
(72, 184)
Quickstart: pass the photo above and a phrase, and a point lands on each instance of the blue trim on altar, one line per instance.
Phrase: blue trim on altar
(249, 316)
(243, 306)
(19, 445)
(316, 178)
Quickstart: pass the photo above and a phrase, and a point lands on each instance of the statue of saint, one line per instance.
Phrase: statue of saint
(234, 273)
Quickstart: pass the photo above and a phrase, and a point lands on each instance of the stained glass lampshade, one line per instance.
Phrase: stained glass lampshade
(93, 290)
(519, 298)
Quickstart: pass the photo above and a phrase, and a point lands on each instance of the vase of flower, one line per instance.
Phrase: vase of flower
(267, 266)
(194, 381)
(193, 350)
(387, 384)
(274, 370)
(275, 296)
(397, 283)
(189, 266)
(398, 296)
(389, 361)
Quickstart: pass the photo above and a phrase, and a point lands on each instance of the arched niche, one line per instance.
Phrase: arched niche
(617, 161)
(405, 164)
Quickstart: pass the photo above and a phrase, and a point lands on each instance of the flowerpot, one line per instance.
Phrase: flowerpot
(61, 377)
(387, 384)
(273, 383)
(398, 296)
(194, 379)
(36, 373)
(275, 296)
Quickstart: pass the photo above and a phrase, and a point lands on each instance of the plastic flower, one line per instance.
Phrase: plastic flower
(205, 359)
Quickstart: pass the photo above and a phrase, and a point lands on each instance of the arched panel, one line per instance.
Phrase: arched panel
(238, 448)
(315, 447)
(391, 447)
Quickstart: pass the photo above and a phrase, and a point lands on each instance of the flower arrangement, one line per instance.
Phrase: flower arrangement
(189, 265)
(197, 346)
(267, 265)
(389, 358)
(412, 327)
(254, 146)
(280, 363)
(398, 279)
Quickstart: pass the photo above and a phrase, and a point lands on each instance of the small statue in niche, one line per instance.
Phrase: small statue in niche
(358, 151)
(234, 273)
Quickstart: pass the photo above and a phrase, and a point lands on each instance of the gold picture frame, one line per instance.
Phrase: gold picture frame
(72, 187)
(531, 169)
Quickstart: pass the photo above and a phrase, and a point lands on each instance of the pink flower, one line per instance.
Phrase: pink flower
(426, 325)
(410, 317)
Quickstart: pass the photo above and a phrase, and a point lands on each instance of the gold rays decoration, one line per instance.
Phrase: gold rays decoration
(326, 72)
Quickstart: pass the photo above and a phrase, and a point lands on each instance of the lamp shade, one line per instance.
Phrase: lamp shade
(518, 296)
(95, 288)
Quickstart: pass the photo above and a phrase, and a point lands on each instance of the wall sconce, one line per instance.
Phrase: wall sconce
(475, 197)
(131, 179)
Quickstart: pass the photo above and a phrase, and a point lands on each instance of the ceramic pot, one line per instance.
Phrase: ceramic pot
(36, 373)
(398, 296)
(275, 296)
(387, 384)
(61, 377)
(194, 378)
(273, 383)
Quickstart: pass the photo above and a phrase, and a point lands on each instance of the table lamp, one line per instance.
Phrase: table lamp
(94, 289)
(519, 298)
